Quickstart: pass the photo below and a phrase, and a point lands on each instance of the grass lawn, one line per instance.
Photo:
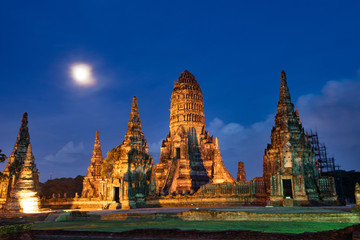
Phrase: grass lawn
(264, 226)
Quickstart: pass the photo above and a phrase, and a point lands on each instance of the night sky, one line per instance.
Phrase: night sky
(235, 50)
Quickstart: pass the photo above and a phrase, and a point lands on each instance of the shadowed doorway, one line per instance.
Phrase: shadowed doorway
(116, 194)
(287, 188)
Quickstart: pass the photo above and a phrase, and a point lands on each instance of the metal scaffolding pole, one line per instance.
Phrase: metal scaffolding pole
(325, 165)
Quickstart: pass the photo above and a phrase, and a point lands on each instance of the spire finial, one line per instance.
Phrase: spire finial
(134, 108)
(24, 121)
(134, 120)
(284, 96)
(134, 102)
(97, 147)
(285, 105)
(97, 140)
(25, 115)
(23, 136)
(283, 77)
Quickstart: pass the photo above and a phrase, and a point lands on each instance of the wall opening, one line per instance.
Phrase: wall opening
(287, 188)
(177, 153)
(116, 197)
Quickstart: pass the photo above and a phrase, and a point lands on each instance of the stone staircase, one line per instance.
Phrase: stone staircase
(171, 174)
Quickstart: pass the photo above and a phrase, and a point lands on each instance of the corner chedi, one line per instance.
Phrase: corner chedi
(289, 167)
(93, 183)
(24, 196)
(16, 160)
(22, 174)
(129, 167)
(189, 157)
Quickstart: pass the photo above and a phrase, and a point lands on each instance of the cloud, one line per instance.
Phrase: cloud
(240, 143)
(67, 154)
(335, 115)
(226, 129)
(71, 160)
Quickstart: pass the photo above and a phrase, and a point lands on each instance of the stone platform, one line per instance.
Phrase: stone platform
(239, 221)
(290, 214)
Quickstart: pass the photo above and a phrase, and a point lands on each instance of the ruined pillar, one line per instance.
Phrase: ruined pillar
(241, 174)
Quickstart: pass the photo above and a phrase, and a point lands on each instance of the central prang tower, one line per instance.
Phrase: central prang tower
(189, 157)
(187, 106)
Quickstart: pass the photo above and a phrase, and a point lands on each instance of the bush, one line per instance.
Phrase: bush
(15, 228)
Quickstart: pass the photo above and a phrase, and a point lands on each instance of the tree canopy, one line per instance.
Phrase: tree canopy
(2, 159)
(70, 186)
(108, 164)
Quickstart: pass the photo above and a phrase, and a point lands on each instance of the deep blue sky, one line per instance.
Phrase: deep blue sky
(235, 50)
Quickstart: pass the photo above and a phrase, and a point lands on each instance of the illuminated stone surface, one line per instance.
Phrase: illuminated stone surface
(357, 194)
(16, 161)
(189, 157)
(241, 174)
(129, 166)
(190, 163)
(24, 195)
(94, 183)
(289, 168)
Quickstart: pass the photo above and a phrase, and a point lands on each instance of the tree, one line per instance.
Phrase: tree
(2, 159)
(108, 164)
(70, 186)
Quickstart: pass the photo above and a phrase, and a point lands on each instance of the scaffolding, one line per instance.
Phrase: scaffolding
(325, 165)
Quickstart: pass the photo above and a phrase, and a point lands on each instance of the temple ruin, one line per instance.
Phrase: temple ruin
(22, 181)
(189, 157)
(191, 171)
(128, 167)
(241, 174)
(289, 167)
(24, 196)
(94, 184)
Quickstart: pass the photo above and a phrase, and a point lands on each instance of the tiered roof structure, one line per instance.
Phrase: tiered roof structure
(21, 186)
(289, 167)
(16, 160)
(132, 170)
(24, 196)
(93, 183)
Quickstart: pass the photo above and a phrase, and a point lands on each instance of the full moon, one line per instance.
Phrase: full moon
(82, 74)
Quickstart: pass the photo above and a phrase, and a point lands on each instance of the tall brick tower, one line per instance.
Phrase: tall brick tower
(189, 157)
(16, 160)
(131, 167)
(289, 168)
(93, 183)
(187, 106)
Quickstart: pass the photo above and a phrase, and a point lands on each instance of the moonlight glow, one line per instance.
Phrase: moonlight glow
(82, 74)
